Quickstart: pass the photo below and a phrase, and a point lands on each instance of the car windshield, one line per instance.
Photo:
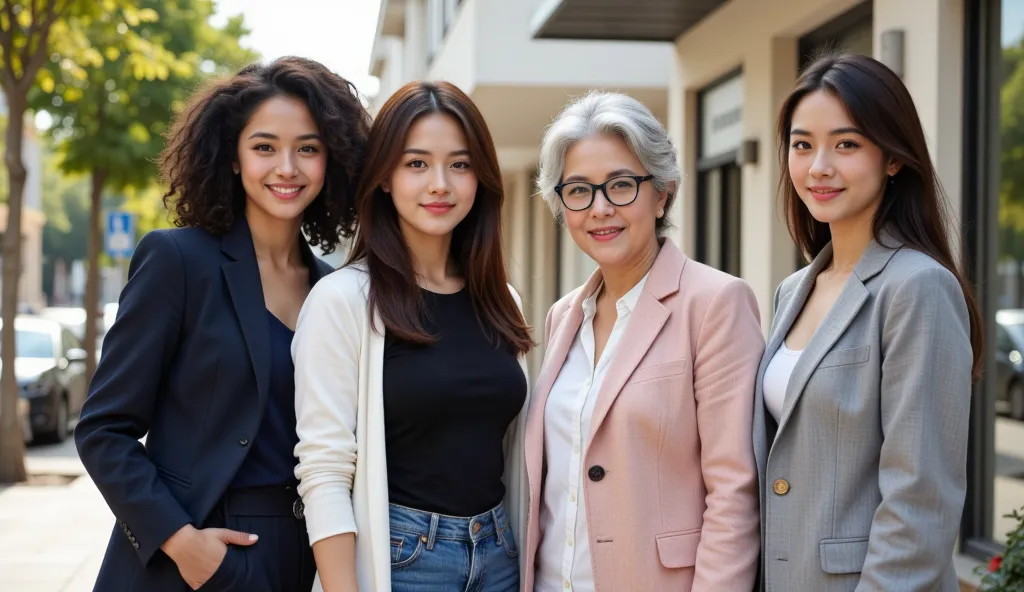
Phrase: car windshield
(34, 344)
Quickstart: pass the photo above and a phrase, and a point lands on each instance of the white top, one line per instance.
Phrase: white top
(339, 408)
(776, 379)
(563, 560)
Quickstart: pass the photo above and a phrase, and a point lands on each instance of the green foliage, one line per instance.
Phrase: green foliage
(1005, 573)
(1011, 183)
(112, 99)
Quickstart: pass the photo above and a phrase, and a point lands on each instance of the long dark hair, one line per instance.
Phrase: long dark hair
(476, 241)
(914, 206)
(202, 144)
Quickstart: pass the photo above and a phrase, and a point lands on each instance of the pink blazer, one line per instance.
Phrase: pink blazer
(677, 507)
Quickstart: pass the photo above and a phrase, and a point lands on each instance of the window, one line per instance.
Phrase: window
(993, 243)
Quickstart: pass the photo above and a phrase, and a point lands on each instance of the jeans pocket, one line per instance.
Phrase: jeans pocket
(228, 574)
(507, 540)
(406, 548)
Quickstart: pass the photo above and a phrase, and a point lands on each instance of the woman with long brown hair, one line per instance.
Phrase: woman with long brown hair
(410, 375)
(863, 395)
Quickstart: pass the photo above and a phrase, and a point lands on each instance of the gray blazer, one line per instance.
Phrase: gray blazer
(862, 480)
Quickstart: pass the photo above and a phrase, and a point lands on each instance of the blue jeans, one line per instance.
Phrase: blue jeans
(438, 553)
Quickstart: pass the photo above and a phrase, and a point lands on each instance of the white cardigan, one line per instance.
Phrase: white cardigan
(339, 406)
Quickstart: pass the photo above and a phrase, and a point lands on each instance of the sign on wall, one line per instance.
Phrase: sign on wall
(721, 108)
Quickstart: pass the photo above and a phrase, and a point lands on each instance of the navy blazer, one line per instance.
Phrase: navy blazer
(186, 364)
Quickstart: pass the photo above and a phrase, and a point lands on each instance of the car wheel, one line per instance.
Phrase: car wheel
(59, 433)
(1016, 397)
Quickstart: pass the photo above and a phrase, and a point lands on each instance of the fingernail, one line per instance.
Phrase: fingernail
(254, 538)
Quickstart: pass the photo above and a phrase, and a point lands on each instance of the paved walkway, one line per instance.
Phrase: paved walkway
(52, 537)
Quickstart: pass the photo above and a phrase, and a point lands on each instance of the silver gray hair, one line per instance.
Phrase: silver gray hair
(607, 113)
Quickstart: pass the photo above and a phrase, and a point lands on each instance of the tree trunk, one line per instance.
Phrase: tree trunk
(12, 446)
(92, 282)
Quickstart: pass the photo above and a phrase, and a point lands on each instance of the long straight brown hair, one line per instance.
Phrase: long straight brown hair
(914, 206)
(476, 241)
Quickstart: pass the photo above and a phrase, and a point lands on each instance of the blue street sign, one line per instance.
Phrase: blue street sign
(120, 236)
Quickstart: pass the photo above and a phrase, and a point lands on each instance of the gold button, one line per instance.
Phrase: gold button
(476, 527)
(423, 539)
(780, 487)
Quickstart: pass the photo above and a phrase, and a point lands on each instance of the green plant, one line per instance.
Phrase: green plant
(1005, 572)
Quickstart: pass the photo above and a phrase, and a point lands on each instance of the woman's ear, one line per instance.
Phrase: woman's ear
(894, 167)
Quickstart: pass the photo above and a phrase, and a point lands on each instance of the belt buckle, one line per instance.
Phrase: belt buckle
(298, 509)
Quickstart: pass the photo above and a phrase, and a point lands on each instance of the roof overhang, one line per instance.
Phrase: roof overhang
(619, 20)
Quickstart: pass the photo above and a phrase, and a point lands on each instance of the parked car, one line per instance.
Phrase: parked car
(1010, 361)
(50, 369)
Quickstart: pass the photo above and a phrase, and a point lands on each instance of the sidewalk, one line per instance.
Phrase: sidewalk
(52, 537)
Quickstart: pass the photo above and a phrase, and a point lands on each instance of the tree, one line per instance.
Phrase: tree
(112, 104)
(26, 31)
(1011, 183)
(66, 207)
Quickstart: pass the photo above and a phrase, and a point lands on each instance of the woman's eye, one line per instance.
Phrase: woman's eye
(309, 149)
(417, 164)
(461, 165)
(801, 145)
(262, 148)
(846, 144)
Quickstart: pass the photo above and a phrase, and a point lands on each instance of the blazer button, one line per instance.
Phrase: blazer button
(596, 473)
(243, 441)
(780, 487)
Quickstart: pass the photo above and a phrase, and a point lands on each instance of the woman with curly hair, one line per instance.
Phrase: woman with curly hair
(198, 360)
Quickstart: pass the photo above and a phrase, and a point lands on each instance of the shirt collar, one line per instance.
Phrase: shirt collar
(624, 305)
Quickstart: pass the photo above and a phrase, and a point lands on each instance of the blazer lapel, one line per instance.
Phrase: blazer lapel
(554, 356)
(645, 324)
(243, 279)
(836, 321)
(789, 306)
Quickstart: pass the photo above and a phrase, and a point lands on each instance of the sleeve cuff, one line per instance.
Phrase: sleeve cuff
(329, 512)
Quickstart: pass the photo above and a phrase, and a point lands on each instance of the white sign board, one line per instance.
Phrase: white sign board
(722, 118)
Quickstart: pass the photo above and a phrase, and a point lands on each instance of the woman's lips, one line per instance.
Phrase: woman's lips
(605, 234)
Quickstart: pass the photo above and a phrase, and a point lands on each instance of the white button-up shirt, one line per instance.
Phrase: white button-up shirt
(563, 562)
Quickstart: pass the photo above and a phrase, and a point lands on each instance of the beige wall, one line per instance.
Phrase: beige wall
(760, 37)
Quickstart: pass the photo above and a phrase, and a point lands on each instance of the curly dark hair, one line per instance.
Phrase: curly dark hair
(202, 145)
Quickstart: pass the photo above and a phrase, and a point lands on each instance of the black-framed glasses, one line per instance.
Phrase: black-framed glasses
(619, 191)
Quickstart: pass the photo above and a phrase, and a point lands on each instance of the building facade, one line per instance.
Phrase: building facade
(715, 71)
(963, 61)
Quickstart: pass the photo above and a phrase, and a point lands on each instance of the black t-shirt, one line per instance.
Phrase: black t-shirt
(446, 409)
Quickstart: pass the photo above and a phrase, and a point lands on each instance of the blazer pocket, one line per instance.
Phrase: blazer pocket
(174, 478)
(846, 357)
(657, 371)
(678, 549)
(843, 556)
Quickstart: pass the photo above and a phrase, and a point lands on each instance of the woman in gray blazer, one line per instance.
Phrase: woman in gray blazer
(863, 394)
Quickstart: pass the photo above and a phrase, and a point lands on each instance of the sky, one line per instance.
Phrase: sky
(337, 33)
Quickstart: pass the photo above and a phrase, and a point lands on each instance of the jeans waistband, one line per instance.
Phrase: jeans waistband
(439, 526)
(263, 501)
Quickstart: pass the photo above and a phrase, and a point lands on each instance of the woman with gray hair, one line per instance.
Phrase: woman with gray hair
(638, 448)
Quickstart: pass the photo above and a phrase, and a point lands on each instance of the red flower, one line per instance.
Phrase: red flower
(994, 563)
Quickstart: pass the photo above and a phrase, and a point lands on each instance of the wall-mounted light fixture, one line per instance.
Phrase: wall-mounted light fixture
(892, 50)
(747, 153)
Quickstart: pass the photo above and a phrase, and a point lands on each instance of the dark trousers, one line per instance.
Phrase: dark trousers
(281, 560)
